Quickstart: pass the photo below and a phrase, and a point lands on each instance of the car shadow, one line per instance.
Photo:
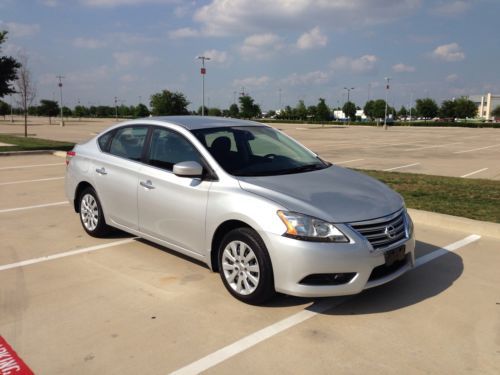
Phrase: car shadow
(415, 286)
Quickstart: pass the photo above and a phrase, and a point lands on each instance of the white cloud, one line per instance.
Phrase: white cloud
(312, 39)
(317, 77)
(363, 64)
(50, 3)
(452, 78)
(88, 43)
(403, 68)
(261, 46)
(128, 78)
(252, 81)
(216, 56)
(133, 58)
(449, 52)
(222, 17)
(20, 30)
(184, 32)
(84, 78)
(115, 3)
(451, 8)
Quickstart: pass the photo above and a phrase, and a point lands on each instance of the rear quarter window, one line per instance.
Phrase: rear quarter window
(103, 141)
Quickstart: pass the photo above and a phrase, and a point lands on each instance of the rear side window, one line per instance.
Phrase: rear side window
(128, 142)
(103, 141)
(169, 148)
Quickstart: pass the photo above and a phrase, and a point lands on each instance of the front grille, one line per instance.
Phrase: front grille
(383, 232)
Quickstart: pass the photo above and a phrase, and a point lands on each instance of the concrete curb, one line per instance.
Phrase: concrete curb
(482, 228)
(61, 154)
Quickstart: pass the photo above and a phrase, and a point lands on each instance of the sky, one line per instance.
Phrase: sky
(277, 51)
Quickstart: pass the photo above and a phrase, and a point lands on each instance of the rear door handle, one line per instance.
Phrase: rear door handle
(101, 171)
(147, 184)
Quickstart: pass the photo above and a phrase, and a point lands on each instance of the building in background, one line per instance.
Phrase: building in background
(485, 105)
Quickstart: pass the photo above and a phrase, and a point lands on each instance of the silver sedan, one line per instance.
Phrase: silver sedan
(253, 204)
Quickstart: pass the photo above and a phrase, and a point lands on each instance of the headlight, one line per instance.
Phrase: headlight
(303, 227)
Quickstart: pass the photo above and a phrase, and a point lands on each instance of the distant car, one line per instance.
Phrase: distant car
(265, 212)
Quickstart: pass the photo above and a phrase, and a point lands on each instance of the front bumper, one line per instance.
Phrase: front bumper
(294, 260)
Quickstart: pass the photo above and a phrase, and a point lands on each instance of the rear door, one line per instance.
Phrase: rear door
(172, 208)
(116, 174)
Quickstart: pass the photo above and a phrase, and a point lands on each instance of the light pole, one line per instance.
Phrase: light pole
(116, 108)
(387, 79)
(348, 99)
(60, 90)
(203, 71)
(411, 103)
(11, 111)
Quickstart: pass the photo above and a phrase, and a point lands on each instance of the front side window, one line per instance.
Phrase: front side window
(128, 142)
(169, 148)
(257, 151)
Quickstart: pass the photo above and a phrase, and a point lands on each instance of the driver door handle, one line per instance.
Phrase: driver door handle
(147, 184)
(101, 171)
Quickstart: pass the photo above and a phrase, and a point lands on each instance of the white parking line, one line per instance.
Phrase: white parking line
(401, 167)
(26, 181)
(253, 339)
(435, 146)
(470, 174)
(31, 207)
(30, 166)
(347, 161)
(476, 149)
(63, 255)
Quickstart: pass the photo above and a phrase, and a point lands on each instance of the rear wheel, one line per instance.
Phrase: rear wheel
(245, 266)
(91, 215)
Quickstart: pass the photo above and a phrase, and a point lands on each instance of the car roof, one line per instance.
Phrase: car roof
(203, 122)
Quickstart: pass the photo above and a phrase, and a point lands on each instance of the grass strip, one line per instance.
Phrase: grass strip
(476, 199)
(31, 144)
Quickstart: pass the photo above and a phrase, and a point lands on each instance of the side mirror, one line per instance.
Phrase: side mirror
(188, 169)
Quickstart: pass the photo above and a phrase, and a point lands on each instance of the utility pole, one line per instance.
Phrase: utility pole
(203, 71)
(60, 90)
(387, 79)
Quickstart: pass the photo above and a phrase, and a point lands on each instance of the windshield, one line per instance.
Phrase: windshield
(257, 151)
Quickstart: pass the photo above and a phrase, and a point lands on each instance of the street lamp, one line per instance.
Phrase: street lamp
(387, 79)
(60, 89)
(203, 71)
(348, 99)
(116, 108)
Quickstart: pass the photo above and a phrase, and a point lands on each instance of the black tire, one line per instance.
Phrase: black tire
(91, 214)
(246, 243)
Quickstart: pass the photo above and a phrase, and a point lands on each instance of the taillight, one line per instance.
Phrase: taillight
(69, 155)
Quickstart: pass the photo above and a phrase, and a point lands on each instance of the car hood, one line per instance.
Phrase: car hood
(334, 194)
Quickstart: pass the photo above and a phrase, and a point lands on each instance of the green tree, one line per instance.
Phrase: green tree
(215, 112)
(234, 111)
(375, 109)
(8, 69)
(81, 111)
(312, 112)
(496, 111)
(4, 109)
(465, 108)
(198, 112)
(322, 110)
(168, 103)
(427, 108)
(349, 109)
(67, 112)
(403, 112)
(248, 109)
(141, 110)
(301, 110)
(48, 108)
(447, 109)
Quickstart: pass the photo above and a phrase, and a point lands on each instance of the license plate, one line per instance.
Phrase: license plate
(394, 255)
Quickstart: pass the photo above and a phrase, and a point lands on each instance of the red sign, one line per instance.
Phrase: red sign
(10, 363)
(203, 71)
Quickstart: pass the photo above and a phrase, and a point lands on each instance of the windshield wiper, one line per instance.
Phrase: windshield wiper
(302, 168)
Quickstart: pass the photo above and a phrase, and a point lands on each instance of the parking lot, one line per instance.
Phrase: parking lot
(456, 152)
(73, 304)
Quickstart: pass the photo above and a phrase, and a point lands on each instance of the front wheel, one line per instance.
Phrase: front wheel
(91, 215)
(245, 266)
